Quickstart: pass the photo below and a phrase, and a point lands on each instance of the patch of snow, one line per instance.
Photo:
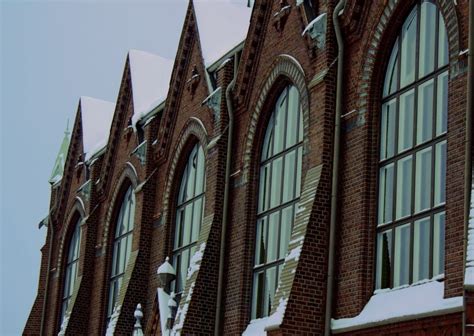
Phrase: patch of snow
(469, 275)
(113, 321)
(462, 52)
(64, 324)
(96, 121)
(313, 23)
(401, 304)
(294, 254)
(151, 75)
(181, 313)
(195, 262)
(262, 325)
(222, 25)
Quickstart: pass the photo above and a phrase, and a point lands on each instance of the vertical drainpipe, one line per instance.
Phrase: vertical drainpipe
(335, 167)
(225, 210)
(468, 148)
(50, 250)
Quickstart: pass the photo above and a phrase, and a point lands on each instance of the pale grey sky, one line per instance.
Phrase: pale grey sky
(53, 52)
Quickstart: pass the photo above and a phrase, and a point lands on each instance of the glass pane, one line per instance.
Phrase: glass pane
(387, 136)
(200, 178)
(292, 121)
(300, 121)
(177, 266)
(442, 104)
(275, 195)
(404, 177)
(405, 123)
(122, 256)
(424, 122)
(386, 194)
(443, 54)
(391, 76)
(182, 187)
(260, 241)
(289, 177)
(273, 231)
(408, 58)
(299, 164)
(401, 273)
(427, 38)
(440, 174)
(192, 163)
(287, 219)
(267, 149)
(271, 283)
(384, 259)
(280, 116)
(421, 250)
(178, 229)
(258, 296)
(264, 189)
(188, 213)
(423, 180)
(197, 219)
(438, 243)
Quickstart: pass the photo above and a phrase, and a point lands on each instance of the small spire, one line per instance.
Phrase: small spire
(58, 168)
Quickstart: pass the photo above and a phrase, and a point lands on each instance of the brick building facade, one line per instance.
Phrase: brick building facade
(340, 255)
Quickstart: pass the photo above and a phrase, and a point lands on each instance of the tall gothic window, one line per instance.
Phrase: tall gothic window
(278, 196)
(189, 213)
(122, 246)
(412, 168)
(70, 276)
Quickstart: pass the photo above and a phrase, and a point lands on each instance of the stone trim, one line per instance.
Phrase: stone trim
(286, 66)
(447, 10)
(128, 173)
(193, 127)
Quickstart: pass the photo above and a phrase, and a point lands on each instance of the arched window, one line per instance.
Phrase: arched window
(278, 196)
(189, 213)
(122, 246)
(71, 273)
(412, 168)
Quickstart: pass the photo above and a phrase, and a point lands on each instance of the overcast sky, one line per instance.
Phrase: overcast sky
(53, 52)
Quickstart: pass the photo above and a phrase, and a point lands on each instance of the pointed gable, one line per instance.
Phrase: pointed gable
(96, 118)
(222, 25)
(151, 76)
(58, 168)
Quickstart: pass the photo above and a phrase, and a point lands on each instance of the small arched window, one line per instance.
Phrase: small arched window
(122, 247)
(72, 265)
(412, 156)
(189, 213)
(278, 196)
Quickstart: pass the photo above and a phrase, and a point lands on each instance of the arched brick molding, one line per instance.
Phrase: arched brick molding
(128, 173)
(283, 66)
(447, 9)
(77, 209)
(193, 127)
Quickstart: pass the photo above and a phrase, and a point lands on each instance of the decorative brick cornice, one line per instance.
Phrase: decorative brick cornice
(447, 9)
(193, 128)
(283, 66)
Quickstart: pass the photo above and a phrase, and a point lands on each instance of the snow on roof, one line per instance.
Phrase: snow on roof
(222, 25)
(402, 304)
(96, 120)
(469, 276)
(151, 76)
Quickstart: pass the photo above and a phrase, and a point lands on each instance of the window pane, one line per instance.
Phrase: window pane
(442, 104)
(443, 54)
(387, 132)
(186, 233)
(402, 256)
(424, 122)
(427, 38)
(197, 219)
(292, 121)
(200, 176)
(404, 176)
(267, 149)
(273, 231)
(264, 189)
(289, 177)
(386, 194)
(258, 295)
(408, 49)
(421, 252)
(384, 259)
(299, 164)
(260, 241)
(279, 133)
(438, 243)
(192, 165)
(287, 220)
(275, 195)
(440, 174)
(405, 128)
(391, 76)
(271, 283)
(423, 180)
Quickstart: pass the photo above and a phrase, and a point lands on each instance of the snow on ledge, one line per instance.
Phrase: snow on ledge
(469, 275)
(401, 304)
(262, 325)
